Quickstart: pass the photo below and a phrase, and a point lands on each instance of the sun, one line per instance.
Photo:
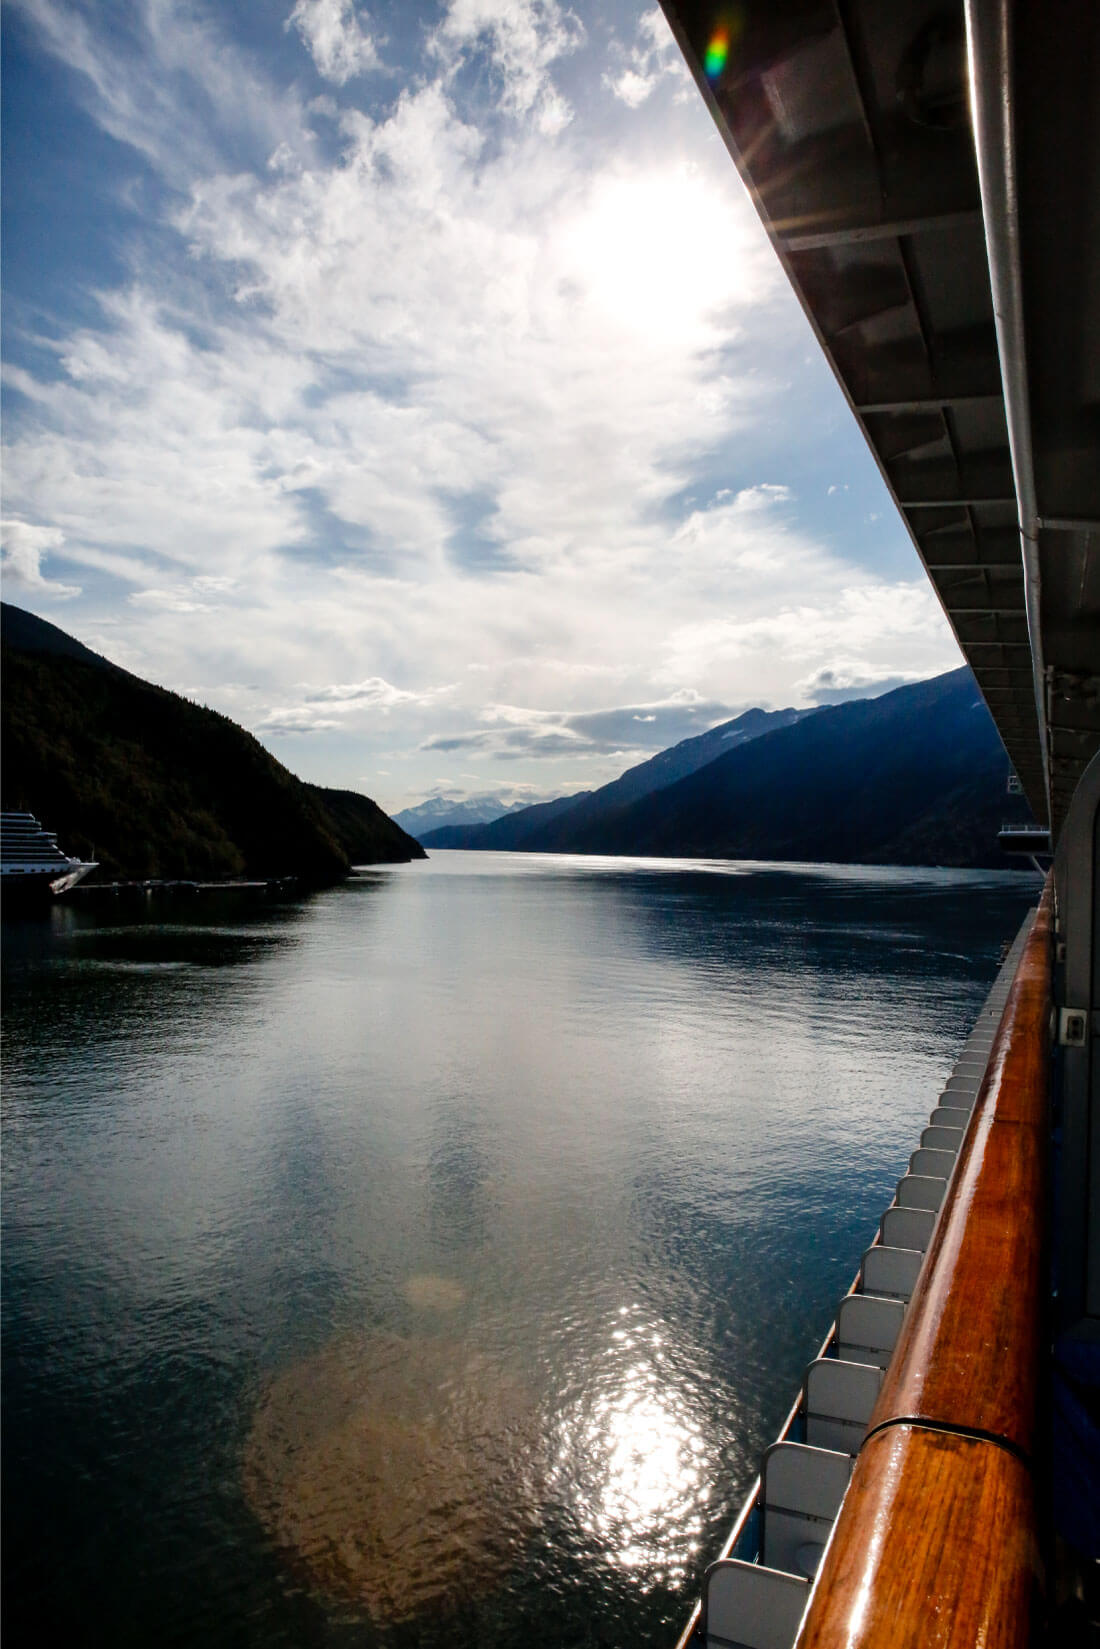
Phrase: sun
(657, 253)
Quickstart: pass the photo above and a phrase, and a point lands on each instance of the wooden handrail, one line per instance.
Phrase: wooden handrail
(935, 1544)
(968, 1356)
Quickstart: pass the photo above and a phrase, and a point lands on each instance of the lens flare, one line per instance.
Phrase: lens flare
(723, 37)
(397, 1474)
(717, 52)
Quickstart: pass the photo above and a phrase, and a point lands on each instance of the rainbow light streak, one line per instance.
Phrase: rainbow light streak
(717, 52)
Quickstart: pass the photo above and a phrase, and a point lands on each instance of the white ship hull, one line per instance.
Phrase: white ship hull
(31, 863)
(56, 879)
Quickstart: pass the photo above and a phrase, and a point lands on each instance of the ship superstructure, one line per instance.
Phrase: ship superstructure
(31, 861)
(929, 176)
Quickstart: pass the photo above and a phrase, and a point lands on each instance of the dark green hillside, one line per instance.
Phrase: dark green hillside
(366, 835)
(151, 785)
(31, 634)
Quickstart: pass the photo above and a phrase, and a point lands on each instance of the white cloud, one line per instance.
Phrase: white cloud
(523, 39)
(153, 442)
(441, 406)
(509, 732)
(508, 303)
(653, 57)
(554, 113)
(177, 600)
(292, 720)
(338, 43)
(168, 83)
(833, 611)
(632, 88)
(373, 692)
(848, 678)
(24, 543)
(322, 708)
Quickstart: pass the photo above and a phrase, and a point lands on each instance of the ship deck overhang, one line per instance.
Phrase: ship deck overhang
(857, 132)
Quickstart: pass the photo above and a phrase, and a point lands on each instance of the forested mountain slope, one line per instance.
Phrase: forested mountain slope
(152, 785)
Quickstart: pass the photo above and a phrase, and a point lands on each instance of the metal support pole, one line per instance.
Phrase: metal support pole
(989, 50)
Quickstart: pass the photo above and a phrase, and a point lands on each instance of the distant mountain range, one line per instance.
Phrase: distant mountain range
(445, 821)
(437, 813)
(916, 776)
(151, 785)
(570, 817)
(518, 830)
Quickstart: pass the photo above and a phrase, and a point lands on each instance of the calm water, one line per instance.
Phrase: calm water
(428, 1261)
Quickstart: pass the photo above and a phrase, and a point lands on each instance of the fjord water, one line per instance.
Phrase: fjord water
(427, 1261)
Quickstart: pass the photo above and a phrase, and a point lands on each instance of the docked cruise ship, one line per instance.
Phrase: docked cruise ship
(31, 863)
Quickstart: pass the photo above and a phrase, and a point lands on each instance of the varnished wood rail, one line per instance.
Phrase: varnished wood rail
(936, 1541)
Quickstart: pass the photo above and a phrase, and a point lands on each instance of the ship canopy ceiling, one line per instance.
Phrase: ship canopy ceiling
(851, 124)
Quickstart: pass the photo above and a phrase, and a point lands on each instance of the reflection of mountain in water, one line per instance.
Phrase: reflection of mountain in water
(586, 1119)
(190, 962)
(810, 932)
(400, 1473)
(461, 1203)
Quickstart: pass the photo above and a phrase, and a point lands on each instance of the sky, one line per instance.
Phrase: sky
(415, 384)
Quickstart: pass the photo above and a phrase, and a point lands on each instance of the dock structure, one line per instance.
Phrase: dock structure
(928, 172)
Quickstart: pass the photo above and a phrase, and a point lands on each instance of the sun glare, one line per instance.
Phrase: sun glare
(655, 251)
(634, 1456)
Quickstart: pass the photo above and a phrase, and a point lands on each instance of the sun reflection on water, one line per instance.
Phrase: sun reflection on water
(632, 1457)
